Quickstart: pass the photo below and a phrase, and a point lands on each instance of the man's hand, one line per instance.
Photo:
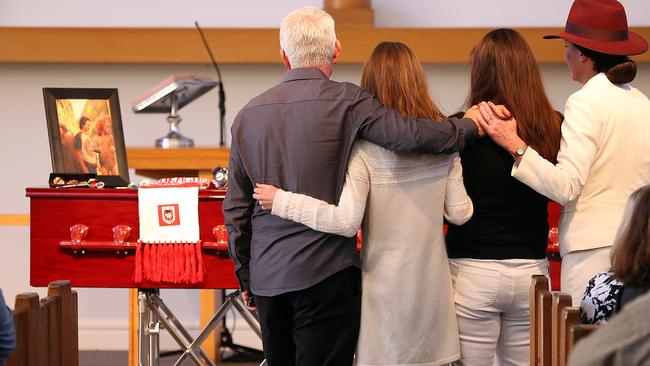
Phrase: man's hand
(249, 301)
(473, 114)
(502, 131)
(264, 194)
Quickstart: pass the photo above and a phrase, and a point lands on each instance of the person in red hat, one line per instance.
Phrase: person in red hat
(605, 151)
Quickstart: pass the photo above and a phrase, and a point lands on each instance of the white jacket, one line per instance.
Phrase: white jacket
(604, 157)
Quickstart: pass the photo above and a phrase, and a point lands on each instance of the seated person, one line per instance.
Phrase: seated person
(7, 332)
(629, 278)
(623, 341)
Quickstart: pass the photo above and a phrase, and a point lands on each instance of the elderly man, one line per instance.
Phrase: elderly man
(298, 136)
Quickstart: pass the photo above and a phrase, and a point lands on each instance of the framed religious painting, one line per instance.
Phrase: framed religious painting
(86, 136)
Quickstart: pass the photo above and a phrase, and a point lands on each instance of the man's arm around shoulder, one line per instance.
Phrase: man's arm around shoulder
(387, 128)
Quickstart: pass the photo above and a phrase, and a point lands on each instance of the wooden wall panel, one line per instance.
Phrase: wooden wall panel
(243, 46)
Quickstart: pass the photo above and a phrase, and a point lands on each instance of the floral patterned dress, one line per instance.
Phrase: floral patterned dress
(600, 300)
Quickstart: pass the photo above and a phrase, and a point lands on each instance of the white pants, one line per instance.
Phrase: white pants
(579, 267)
(492, 306)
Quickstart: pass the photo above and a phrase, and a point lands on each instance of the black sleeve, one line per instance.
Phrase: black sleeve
(237, 212)
(387, 128)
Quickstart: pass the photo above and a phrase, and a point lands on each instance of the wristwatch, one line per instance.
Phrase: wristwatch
(520, 151)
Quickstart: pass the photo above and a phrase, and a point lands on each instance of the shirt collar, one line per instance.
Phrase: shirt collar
(304, 73)
(598, 79)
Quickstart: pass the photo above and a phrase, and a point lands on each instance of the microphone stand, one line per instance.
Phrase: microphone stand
(222, 94)
(239, 352)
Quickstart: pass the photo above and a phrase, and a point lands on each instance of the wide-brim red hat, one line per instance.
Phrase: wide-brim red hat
(601, 26)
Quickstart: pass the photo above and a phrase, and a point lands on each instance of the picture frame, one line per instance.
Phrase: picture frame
(85, 132)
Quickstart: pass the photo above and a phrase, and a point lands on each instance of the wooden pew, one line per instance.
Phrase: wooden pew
(46, 330)
(52, 327)
(571, 331)
(30, 343)
(555, 326)
(66, 335)
(539, 284)
(544, 319)
(559, 301)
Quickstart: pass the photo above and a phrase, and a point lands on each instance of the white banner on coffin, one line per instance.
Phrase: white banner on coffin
(169, 214)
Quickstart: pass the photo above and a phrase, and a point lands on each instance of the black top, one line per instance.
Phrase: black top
(510, 219)
(628, 294)
(298, 136)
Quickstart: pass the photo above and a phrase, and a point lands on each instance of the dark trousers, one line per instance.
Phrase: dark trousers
(317, 326)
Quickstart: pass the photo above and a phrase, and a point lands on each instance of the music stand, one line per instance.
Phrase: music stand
(169, 96)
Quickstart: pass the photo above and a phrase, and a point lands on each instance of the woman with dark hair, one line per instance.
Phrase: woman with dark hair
(631, 251)
(494, 254)
(407, 309)
(604, 154)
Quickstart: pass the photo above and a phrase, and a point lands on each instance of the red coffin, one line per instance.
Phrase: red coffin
(99, 260)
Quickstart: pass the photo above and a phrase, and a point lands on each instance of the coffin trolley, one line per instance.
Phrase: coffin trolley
(88, 236)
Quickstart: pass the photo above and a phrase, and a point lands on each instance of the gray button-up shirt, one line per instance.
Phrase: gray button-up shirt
(298, 136)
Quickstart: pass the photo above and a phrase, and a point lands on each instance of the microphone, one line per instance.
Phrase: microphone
(222, 94)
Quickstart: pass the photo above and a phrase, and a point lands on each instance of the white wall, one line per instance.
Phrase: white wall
(24, 149)
(264, 13)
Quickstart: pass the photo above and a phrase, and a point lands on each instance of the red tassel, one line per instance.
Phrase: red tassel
(182, 259)
(180, 271)
(160, 269)
(199, 259)
(152, 262)
(160, 265)
(162, 257)
(171, 263)
(177, 263)
(155, 261)
(187, 273)
(151, 270)
(192, 270)
(167, 262)
(138, 263)
(192, 264)
(146, 270)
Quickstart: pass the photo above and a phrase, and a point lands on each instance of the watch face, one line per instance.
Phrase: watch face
(520, 151)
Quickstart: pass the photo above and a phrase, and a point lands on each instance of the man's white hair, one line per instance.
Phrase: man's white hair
(308, 38)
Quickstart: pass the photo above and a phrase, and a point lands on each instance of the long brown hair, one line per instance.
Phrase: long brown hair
(504, 71)
(395, 77)
(631, 251)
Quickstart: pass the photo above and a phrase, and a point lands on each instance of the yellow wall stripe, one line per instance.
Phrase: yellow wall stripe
(14, 220)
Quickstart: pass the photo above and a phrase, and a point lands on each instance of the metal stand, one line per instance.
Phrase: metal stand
(174, 138)
(153, 312)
